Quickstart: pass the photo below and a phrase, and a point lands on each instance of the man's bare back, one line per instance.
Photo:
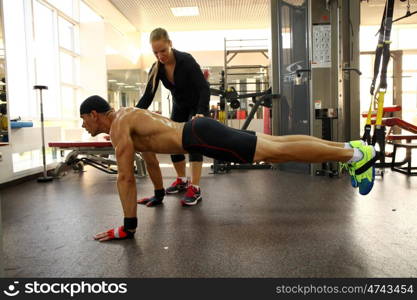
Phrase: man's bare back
(149, 132)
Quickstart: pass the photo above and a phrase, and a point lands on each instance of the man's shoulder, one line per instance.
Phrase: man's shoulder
(127, 114)
(125, 121)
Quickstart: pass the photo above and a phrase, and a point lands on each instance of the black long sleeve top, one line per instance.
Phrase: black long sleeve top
(190, 89)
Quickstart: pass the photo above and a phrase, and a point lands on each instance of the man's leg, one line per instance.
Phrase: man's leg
(299, 138)
(306, 138)
(356, 158)
(309, 150)
(154, 171)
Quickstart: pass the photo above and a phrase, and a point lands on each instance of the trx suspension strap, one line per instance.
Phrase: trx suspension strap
(382, 56)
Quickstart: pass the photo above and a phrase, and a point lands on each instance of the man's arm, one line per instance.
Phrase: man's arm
(126, 182)
(154, 171)
(126, 185)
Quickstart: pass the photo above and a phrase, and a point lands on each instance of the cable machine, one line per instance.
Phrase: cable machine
(231, 97)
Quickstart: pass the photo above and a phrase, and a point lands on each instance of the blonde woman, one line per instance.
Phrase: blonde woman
(180, 73)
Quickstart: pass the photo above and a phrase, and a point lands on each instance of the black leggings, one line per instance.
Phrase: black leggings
(180, 114)
(214, 139)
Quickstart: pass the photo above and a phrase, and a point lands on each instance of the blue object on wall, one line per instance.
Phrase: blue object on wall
(20, 124)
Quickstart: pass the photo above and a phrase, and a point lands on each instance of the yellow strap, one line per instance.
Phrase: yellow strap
(380, 112)
(222, 116)
(369, 117)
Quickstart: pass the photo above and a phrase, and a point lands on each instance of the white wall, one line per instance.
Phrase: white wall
(123, 41)
(123, 49)
(93, 72)
(111, 15)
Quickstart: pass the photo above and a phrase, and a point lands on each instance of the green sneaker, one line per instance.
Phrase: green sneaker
(351, 172)
(353, 144)
(366, 179)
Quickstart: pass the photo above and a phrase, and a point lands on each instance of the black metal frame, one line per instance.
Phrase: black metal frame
(326, 118)
(408, 170)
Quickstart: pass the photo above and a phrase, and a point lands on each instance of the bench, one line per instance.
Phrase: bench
(397, 141)
(95, 154)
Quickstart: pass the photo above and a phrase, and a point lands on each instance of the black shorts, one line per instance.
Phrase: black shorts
(213, 139)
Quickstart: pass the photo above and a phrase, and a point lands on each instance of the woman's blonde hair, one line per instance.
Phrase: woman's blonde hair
(156, 35)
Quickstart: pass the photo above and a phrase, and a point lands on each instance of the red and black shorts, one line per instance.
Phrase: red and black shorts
(214, 139)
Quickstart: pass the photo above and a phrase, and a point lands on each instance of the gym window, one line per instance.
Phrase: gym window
(57, 56)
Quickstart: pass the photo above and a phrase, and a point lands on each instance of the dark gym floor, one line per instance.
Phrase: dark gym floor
(258, 223)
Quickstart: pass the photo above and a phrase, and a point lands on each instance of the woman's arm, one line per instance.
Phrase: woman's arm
(147, 98)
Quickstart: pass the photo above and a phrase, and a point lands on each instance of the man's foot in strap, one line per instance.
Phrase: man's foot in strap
(353, 144)
(365, 179)
(155, 200)
(192, 196)
(179, 185)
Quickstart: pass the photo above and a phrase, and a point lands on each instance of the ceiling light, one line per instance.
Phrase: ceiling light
(112, 80)
(129, 86)
(185, 11)
(120, 83)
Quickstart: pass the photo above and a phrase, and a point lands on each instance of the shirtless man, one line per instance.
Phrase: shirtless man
(136, 130)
